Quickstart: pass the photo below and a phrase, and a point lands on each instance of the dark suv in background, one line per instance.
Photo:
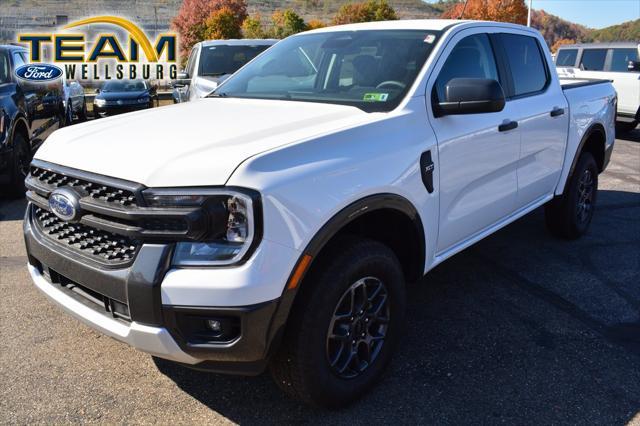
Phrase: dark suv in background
(29, 112)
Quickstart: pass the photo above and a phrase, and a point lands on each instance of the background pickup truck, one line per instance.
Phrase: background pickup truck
(374, 152)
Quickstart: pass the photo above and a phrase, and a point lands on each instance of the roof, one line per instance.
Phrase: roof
(402, 24)
(240, 42)
(12, 47)
(627, 44)
(417, 24)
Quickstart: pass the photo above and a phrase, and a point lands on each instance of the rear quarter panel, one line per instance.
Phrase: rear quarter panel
(588, 106)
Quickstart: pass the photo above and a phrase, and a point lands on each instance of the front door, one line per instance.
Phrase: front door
(478, 153)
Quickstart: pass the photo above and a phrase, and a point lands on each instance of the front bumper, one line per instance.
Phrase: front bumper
(153, 340)
(131, 309)
(108, 110)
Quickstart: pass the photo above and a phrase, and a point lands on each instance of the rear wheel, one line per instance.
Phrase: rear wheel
(344, 326)
(569, 215)
(626, 127)
(83, 111)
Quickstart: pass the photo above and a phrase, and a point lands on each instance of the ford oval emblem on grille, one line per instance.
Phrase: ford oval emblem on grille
(65, 204)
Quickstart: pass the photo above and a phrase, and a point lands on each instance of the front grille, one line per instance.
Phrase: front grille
(101, 246)
(107, 194)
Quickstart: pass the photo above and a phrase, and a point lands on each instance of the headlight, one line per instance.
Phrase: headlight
(231, 224)
(100, 102)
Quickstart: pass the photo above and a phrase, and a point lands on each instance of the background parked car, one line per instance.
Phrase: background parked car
(213, 61)
(619, 62)
(118, 96)
(75, 104)
(29, 112)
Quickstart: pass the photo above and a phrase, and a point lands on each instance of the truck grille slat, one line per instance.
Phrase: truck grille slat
(107, 194)
(101, 246)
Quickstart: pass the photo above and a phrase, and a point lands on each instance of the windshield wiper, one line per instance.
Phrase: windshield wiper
(215, 74)
(217, 95)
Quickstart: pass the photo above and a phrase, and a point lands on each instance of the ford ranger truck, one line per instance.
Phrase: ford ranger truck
(276, 223)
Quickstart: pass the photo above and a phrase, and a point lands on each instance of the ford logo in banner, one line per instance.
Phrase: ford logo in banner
(38, 72)
(65, 204)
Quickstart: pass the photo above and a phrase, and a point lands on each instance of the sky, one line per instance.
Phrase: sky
(591, 13)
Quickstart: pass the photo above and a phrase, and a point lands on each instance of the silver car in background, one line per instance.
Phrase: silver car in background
(213, 61)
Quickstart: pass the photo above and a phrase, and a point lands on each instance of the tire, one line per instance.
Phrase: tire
(20, 161)
(68, 116)
(569, 215)
(302, 366)
(83, 111)
(626, 127)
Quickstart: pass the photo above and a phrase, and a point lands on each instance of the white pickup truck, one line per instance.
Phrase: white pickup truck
(275, 223)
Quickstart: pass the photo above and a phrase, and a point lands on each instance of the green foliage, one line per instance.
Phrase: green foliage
(252, 27)
(222, 24)
(371, 10)
(286, 23)
(627, 31)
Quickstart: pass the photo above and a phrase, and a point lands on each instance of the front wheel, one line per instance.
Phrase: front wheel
(21, 160)
(569, 215)
(344, 326)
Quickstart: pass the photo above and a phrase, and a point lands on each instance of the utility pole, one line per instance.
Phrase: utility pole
(529, 15)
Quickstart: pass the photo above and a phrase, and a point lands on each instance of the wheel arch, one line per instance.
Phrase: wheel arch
(20, 126)
(372, 208)
(593, 141)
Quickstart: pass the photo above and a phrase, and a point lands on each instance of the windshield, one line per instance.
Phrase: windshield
(224, 59)
(371, 69)
(124, 86)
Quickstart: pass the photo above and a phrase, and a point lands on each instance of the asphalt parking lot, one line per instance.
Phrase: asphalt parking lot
(522, 328)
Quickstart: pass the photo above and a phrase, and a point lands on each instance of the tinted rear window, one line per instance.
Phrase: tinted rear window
(527, 65)
(621, 57)
(593, 59)
(567, 57)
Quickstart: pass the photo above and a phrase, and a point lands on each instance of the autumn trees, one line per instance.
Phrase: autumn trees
(514, 11)
(201, 19)
(223, 19)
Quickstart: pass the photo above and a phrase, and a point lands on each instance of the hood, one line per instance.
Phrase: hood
(122, 95)
(191, 144)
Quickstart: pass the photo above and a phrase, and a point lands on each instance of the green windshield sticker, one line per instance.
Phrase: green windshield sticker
(375, 97)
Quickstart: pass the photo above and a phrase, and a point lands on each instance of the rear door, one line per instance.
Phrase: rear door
(477, 161)
(543, 115)
(626, 83)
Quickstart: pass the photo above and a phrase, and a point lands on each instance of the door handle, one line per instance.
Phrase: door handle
(556, 112)
(508, 125)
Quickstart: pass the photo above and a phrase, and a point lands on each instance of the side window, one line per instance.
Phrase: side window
(567, 57)
(472, 57)
(18, 60)
(593, 59)
(191, 62)
(527, 65)
(5, 74)
(621, 57)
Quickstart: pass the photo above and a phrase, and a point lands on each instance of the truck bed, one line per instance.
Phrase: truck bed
(568, 83)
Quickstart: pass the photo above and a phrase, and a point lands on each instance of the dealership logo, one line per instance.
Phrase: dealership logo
(106, 56)
(64, 203)
(38, 72)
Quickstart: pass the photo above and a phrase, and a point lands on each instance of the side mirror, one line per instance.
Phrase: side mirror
(98, 90)
(471, 96)
(183, 79)
(633, 66)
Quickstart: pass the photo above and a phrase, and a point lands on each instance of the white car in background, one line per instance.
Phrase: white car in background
(75, 104)
(213, 61)
(618, 62)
